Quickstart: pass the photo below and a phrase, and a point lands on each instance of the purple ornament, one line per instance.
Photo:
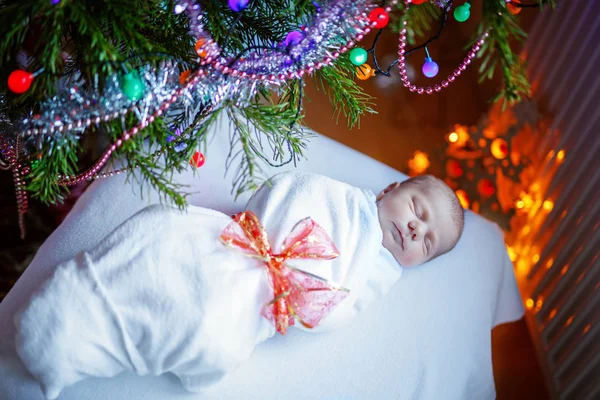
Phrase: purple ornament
(430, 68)
(293, 38)
(171, 138)
(238, 5)
(55, 2)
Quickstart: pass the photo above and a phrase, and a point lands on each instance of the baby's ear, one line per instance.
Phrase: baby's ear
(387, 190)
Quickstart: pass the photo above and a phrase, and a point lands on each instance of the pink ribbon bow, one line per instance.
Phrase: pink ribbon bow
(296, 294)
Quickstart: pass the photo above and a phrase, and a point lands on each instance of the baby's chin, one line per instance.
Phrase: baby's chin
(408, 264)
(402, 259)
(406, 260)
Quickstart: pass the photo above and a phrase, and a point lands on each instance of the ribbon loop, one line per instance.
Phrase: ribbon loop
(296, 294)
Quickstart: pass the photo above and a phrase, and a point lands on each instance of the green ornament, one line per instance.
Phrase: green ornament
(358, 56)
(462, 13)
(132, 86)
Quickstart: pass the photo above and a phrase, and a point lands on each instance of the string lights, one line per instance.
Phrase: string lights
(430, 68)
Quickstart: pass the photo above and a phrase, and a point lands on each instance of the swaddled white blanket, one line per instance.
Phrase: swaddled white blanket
(162, 294)
(349, 215)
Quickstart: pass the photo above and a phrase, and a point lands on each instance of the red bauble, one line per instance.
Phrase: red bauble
(380, 17)
(197, 160)
(453, 169)
(419, 1)
(514, 10)
(485, 187)
(19, 81)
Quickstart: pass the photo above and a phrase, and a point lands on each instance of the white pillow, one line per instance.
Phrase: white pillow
(428, 338)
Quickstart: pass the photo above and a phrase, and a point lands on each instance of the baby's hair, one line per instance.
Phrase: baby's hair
(458, 213)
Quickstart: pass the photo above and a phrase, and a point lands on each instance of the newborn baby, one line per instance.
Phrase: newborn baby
(421, 219)
(162, 293)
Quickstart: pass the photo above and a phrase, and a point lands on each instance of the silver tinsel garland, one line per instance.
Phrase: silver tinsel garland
(217, 80)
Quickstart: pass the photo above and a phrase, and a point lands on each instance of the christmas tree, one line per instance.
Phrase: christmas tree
(485, 163)
(148, 78)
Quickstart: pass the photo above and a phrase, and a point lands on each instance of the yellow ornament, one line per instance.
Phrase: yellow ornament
(364, 72)
(183, 78)
(499, 148)
(199, 47)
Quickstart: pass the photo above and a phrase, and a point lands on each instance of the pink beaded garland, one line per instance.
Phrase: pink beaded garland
(11, 150)
(446, 82)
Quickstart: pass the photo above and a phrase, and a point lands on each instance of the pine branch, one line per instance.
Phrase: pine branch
(156, 159)
(166, 188)
(277, 124)
(248, 174)
(497, 52)
(264, 21)
(53, 162)
(344, 93)
(422, 21)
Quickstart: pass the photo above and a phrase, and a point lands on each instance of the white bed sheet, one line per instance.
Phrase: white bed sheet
(429, 338)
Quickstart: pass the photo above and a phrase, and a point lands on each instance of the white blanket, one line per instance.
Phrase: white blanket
(162, 294)
(349, 215)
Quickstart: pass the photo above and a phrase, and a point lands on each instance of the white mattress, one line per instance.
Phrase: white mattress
(429, 338)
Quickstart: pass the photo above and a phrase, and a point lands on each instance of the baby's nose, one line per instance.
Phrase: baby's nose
(416, 229)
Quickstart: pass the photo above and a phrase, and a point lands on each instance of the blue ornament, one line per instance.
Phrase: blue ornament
(238, 5)
(430, 68)
(179, 147)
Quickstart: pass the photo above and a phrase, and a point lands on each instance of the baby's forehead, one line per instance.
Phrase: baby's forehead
(431, 190)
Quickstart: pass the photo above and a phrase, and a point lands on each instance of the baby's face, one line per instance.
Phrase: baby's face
(416, 220)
